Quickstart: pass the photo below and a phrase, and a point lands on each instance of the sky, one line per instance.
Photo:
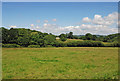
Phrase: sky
(62, 17)
(60, 0)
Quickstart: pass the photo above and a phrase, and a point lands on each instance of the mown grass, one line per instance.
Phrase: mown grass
(60, 63)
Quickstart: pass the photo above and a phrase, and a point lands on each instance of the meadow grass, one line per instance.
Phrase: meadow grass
(60, 63)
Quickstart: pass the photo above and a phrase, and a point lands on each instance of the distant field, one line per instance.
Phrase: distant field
(75, 40)
(60, 63)
(69, 40)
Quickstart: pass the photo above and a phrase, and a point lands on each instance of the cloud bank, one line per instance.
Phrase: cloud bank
(98, 25)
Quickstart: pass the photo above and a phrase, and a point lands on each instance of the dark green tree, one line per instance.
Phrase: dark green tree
(89, 36)
(23, 37)
(5, 35)
(70, 35)
(94, 37)
(63, 37)
(49, 39)
(13, 35)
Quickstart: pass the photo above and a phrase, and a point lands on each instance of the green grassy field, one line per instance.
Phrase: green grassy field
(74, 40)
(60, 63)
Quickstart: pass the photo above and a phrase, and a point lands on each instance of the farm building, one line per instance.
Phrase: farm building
(57, 38)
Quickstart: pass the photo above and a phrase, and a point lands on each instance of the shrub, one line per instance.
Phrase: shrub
(113, 44)
(84, 44)
(34, 46)
(93, 44)
(63, 39)
(116, 44)
(87, 43)
(73, 43)
(10, 45)
(50, 39)
(48, 46)
(98, 44)
(59, 44)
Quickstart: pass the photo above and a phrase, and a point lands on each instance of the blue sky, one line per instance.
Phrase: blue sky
(60, 0)
(45, 16)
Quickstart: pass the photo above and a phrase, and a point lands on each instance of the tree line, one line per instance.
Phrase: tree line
(21, 37)
(89, 36)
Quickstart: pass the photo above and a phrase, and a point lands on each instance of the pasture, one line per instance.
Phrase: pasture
(60, 63)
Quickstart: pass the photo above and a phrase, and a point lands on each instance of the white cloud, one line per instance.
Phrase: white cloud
(84, 28)
(86, 19)
(32, 25)
(99, 20)
(98, 17)
(112, 16)
(37, 27)
(12, 26)
(81, 29)
(44, 25)
(97, 25)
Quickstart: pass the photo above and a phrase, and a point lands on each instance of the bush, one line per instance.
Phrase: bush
(113, 44)
(48, 46)
(84, 44)
(116, 44)
(97, 44)
(34, 46)
(73, 43)
(50, 39)
(59, 44)
(10, 45)
(63, 39)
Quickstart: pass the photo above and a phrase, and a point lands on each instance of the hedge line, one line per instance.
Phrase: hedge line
(69, 44)
(10, 45)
